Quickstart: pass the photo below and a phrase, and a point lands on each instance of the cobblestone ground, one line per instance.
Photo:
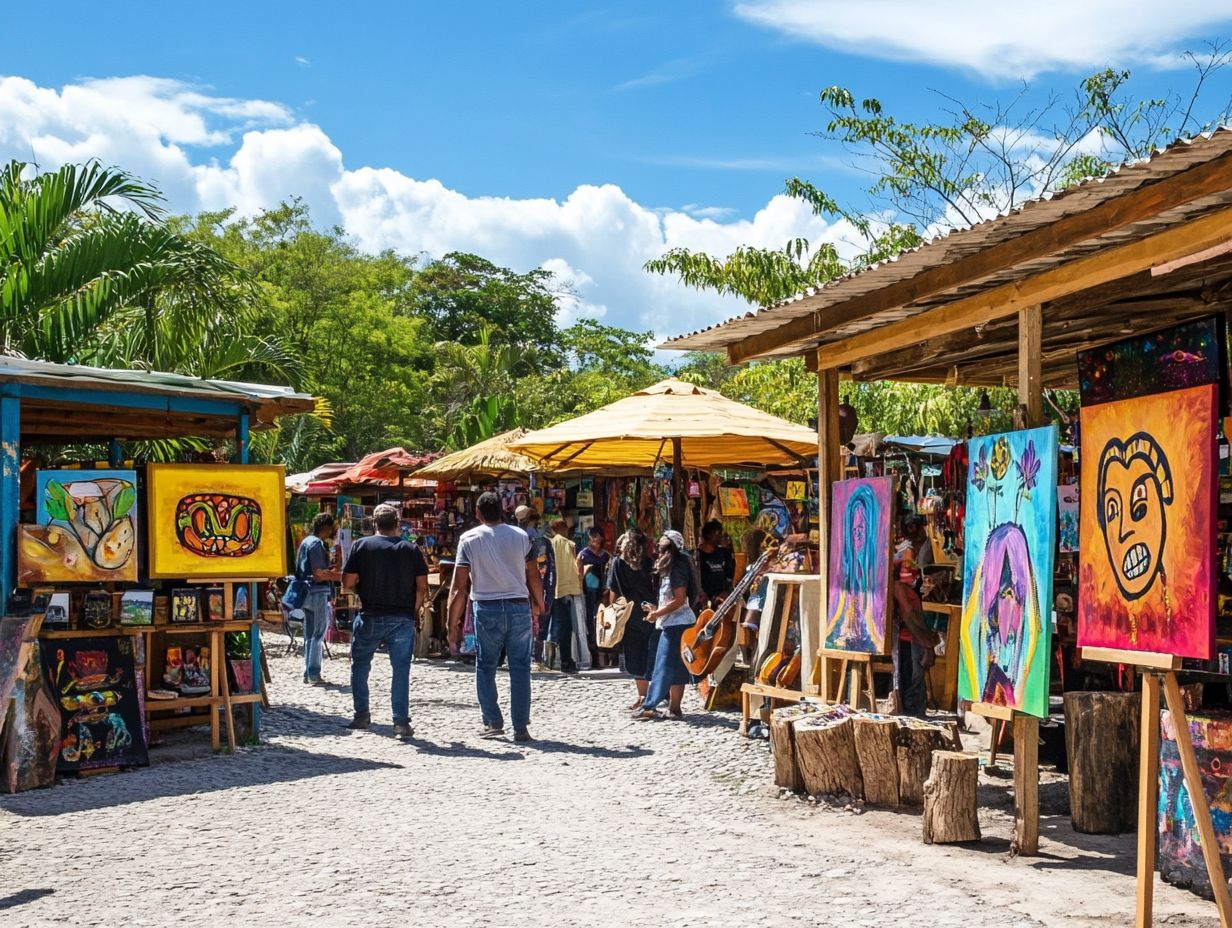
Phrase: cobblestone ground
(603, 821)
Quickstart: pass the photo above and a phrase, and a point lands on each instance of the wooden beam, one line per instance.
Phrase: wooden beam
(1030, 357)
(1183, 187)
(1008, 299)
(829, 467)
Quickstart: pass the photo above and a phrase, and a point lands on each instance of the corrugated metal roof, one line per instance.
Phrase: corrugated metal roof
(1177, 157)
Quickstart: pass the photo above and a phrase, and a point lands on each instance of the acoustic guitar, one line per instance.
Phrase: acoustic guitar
(708, 640)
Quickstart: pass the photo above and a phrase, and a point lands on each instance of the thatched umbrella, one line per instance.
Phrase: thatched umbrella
(490, 458)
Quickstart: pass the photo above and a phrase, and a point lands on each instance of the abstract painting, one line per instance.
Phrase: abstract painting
(1180, 846)
(1146, 578)
(185, 605)
(1010, 539)
(861, 514)
(1067, 518)
(733, 501)
(14, 632)
(86, 528)
(31, 741)
(96, 684)
(1185, 356)
(220, 520)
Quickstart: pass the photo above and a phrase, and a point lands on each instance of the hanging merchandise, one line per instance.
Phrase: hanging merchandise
(690, 530)
(663, 506)
(795, 490)
(734, 501)
(772, 516)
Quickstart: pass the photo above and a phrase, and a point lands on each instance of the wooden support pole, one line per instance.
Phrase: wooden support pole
(1026, 784)
(1148, 798)
(829, 469)
(677, 488)
(1030, 356)
(1197, 800)
(10, 493)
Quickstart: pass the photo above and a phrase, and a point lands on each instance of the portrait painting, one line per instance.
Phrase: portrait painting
(86, 528)
(1146, 578)
(862, 513)
(1010, 539)
(216, 521)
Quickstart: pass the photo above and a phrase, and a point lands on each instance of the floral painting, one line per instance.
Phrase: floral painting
(86, 529)
(1011, 535)
(862, 512)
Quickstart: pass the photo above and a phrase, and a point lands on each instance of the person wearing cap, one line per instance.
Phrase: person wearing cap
(677, 589)
(528, 521)
(498, 563)
(391, 577)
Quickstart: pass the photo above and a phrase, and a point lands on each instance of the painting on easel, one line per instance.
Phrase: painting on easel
(1010, 537)
(859, 583)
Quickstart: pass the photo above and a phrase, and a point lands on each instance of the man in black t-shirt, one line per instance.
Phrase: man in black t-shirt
(391, 577)
(715, 563)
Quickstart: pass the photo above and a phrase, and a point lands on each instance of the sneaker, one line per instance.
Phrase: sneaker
(361, 721)
(491, 733)
(568, 668)
(314, 681)
(403, 731)
(522, 736)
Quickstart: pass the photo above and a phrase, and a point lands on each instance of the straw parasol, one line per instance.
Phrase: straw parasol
(676, 422)
(490, 458)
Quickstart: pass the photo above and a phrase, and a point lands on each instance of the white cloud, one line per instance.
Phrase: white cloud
(303, 62)
(595, 240)
(1003, 40)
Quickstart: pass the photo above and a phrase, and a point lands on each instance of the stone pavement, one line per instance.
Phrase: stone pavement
(603, 821)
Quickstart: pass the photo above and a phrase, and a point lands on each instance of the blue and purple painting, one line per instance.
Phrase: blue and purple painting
(861, 513)
(1189, 355)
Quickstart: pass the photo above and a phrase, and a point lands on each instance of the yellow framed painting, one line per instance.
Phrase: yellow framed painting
(216, 521)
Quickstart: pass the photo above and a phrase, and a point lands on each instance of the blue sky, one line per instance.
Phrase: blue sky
(585, 137)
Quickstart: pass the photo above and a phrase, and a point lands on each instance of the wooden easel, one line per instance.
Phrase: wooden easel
(859, 683)
(1159, 670)
(1026, 770)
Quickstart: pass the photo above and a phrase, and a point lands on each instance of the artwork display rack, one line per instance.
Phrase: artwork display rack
(806, 590)
(219, 697)
(1159, 673)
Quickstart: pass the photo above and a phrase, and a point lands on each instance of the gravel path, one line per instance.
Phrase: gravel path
(603, 821)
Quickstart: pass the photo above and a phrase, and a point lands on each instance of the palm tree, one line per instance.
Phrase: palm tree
(90, 273)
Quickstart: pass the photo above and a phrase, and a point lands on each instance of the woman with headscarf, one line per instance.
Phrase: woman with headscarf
(677, 588)
(631, 578)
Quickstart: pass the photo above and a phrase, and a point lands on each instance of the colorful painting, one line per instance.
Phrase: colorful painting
(1180, 846)
(31, 740)
(240, 608)
(101, 699)
(137, 607)
(214, 598)
(1146, 577)
(86, 528)
(1185, 356)
(185, 606)
(1067, 518)
(1010, 535)
(733, 501)
(57, 613)
(222, 520)
(861, 516)
(96, 611)
(14, 632)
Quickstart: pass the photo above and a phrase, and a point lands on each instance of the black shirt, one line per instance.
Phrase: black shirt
(387, 568)
(717, 567)
(637, 586)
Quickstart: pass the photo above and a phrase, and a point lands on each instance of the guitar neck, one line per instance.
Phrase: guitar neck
(749, 578)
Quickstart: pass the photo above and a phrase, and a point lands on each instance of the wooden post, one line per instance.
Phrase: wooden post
(1101, 741)
(829, 469)
(10, 493)
(1148, 799)
(950, 799)
(677, 488)
(1026, 784)
(875, 749)
(1030, 332)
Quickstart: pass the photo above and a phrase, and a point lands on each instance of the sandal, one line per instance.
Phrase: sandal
(647, 715)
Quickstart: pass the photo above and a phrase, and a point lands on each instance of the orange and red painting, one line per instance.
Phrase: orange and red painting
(1147, 523)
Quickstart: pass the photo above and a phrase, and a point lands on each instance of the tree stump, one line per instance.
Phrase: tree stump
(874, 740)
(826, 753)
(950, 799)
(783, 746)
(1101, 742)
(914, 753)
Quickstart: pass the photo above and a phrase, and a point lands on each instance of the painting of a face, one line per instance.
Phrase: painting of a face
(859, 580)
(1135, 490)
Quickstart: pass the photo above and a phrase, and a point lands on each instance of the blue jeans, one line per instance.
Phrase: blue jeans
(398, 633)
(669, 669)
(316, 620)
(503, 625)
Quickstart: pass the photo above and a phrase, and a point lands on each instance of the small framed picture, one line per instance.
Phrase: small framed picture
(185, 605)
(58, 604)
(240, 608)
(96, 609)
(214, 598)
(137, 607)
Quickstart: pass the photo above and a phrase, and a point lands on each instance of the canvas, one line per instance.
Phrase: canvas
(221, 520)
(86, 528)
(14, 631)
(31, 739)
(57, 614)
(1147, 494)
(1189, 355)
(861, 517)
(100, 695)
(214, 598)
(185, 605)
(733, 501)
(137, 607)
(1010, 539)
(240, 608)
(1067, 518)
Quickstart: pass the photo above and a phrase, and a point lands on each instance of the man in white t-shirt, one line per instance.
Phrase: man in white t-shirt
(499, 564)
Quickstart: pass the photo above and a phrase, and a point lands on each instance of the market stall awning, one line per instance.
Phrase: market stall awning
(489, 458)
(382, 468)
(639, 430)
(317, 480)
(932, 445)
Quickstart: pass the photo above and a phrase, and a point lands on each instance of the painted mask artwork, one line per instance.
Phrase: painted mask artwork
(862, 513)
(1147, 516)
(86, 528)
(1010, 533)
(216, 521)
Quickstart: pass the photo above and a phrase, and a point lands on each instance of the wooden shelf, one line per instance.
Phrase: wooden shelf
(120, 631)
(775, 692)
(195, 702)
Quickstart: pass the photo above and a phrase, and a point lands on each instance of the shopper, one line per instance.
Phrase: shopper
(677, 588)
(592, 562)
(569, 606)
(541, 547)
(716, 565)
(631, 577)
(313, 563)
(914, 651)
(498, 562)
(391, 576)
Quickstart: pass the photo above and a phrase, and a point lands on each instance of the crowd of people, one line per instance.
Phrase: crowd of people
(533, 599)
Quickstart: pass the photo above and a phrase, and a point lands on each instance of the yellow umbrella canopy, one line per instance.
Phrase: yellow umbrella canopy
(489, 458)
(640, 430)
